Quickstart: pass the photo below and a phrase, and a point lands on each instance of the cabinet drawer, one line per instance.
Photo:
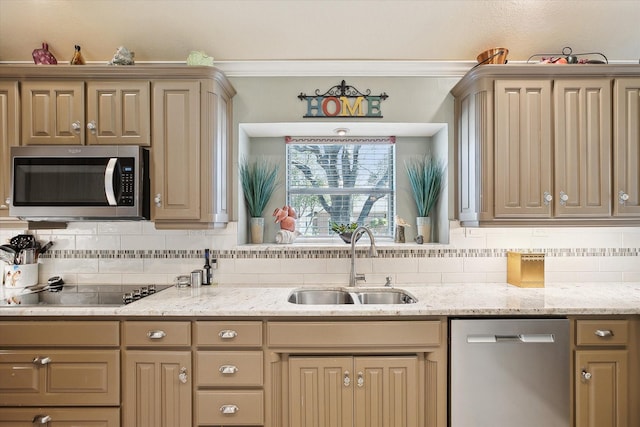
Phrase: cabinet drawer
(229, 334)
(602, 332)
(157, 334)
(229, 368)
(59, 377)
(60, 334)
(102, 417)
(401, 334)
(230, 407)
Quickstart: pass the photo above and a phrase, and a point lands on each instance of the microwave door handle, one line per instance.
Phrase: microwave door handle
(108, 181)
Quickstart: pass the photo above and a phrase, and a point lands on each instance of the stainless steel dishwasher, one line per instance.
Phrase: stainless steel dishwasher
(509, 373)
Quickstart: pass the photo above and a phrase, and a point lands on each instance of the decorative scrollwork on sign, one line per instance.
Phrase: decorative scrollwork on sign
(343, 100)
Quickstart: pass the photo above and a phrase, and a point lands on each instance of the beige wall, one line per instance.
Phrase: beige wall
(449, 30)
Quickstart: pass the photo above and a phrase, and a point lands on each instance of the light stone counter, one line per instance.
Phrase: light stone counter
(487, 299)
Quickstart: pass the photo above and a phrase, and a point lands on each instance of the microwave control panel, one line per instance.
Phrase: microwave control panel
(128, 182)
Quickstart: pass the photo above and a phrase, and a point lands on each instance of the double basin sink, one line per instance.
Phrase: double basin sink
(342, 296)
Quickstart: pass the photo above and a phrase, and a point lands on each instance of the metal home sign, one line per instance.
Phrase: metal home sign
(343, 101)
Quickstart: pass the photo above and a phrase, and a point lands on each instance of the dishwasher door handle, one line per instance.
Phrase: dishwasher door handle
(517, 338)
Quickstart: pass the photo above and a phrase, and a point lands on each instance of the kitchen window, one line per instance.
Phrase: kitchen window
(341, 180)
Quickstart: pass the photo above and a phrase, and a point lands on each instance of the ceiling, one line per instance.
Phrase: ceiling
(324, 30)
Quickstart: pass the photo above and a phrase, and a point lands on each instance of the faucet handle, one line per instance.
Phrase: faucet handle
(388, 282)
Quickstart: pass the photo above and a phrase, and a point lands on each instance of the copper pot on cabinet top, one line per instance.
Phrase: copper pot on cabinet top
(497, 55)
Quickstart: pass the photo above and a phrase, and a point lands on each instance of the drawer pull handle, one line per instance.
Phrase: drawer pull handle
(228, 334)
(229, 409)
(183, 376)
(156, 335)
(228, 369)
(603, 333)
(41, 419)
(41, 360)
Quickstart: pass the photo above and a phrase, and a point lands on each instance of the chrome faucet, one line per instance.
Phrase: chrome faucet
(373, 252)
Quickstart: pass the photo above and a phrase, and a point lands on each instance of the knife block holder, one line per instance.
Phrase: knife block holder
(525, 270)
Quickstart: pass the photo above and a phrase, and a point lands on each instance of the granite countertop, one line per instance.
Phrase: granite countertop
(478, 299)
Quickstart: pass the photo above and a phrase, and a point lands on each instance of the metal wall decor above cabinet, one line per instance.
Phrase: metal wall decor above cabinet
(535, 145)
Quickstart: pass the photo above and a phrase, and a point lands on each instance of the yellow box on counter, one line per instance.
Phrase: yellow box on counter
(525, 270)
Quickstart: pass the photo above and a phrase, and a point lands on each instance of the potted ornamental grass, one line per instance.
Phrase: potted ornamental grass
(426, 177)
(259, 180)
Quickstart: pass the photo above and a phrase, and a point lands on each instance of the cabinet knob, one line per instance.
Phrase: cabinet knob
(183, 376)
(41, 360)
(228, 369)
(603, 333)
(76, 126)
(92, 127)
(347, 379)
(229, 409)
(41, 419)
(228, 334)
(547, 198)
(360, 379)
(622, 197)
(586, 375)
(564, 197)
(156, 335)
(158, 200)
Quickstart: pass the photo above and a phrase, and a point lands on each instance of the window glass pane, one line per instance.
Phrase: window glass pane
(341, 183)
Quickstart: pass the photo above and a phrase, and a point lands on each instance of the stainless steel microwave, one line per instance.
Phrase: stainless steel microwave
(71, 183)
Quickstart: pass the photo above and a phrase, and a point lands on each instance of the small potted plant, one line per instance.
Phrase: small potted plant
(259, 180)
(426, 176)
(345, 231)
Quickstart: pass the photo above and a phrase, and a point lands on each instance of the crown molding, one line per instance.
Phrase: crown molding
(349, 68)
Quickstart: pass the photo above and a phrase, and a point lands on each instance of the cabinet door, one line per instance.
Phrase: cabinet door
(387, 391)
(523, 165)
(626, 148)
(118, 113)
(601, 388)
(59, 377)
(60, 417)
(582, 148)
(9, 134)
(157, 388)
(320, 391)
(52, 113)
(176, 150)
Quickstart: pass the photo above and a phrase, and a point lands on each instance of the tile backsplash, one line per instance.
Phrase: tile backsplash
(137, 253)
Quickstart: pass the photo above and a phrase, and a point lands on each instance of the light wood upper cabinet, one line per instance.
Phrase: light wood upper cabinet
(176, 152)
(52, 112)
(542, 145)
(582, 147)
(523, 162)
(9, 137)
(118, 113)
(626, 148)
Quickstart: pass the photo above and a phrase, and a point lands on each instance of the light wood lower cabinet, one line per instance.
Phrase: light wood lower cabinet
(59, 373)
(354, 391)
(602, 385)
(157, 375)
(60, 417)
(357, 373)
(157, 388)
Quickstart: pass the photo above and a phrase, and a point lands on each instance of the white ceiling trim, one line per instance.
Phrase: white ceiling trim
(345, 68)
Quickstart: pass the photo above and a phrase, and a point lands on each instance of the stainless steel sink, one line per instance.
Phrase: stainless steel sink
(351, 296)
(320, 296)
(385, 296)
